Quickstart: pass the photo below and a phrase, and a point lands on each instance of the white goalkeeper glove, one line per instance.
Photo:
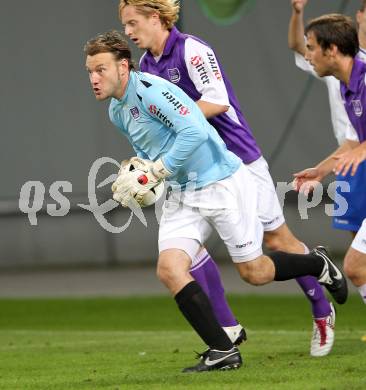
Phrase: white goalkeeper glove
(121, 193)
(127, 186)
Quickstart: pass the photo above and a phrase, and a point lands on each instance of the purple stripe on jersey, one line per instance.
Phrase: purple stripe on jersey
(354, 97)
(171, 66)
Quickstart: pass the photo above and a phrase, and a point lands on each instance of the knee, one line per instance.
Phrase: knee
(172, 268)
(164, 273)
(252, 273)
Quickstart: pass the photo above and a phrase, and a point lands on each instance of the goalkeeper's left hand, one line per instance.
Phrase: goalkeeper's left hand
(127, 187)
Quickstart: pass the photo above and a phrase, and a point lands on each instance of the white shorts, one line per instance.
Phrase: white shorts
(359, 242)
(269, 209)
(229, 206)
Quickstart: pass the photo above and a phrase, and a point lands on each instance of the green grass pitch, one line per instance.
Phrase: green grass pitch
(143, 343)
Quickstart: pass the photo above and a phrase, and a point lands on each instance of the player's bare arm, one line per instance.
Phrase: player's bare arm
(205, 73)
(350, 159)
(211, 109)
(296, 40)
(306, 180)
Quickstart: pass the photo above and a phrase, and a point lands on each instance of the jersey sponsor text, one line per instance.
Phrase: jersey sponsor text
(183, 110)
(213, 65)
(156, 111)
(199, 64)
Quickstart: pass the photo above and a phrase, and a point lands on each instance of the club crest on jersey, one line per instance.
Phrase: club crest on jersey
(174, 75)
(135, 113)
(357, 107)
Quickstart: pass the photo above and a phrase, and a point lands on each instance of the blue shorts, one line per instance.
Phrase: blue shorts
(355, 198)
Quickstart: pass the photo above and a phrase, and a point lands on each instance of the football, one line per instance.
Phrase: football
(154, 193)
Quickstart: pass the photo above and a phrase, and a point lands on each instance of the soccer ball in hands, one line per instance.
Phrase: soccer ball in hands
(141, 180)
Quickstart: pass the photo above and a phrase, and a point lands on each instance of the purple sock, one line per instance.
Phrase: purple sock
(207, 275)
(314, 292)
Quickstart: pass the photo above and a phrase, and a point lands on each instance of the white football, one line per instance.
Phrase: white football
(154, 193)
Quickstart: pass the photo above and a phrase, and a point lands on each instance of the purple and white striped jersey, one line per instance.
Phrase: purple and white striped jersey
(192, 65)
(354, 98)
(342, 126)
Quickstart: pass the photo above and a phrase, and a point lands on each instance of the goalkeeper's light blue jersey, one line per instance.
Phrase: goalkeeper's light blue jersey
(161, 121)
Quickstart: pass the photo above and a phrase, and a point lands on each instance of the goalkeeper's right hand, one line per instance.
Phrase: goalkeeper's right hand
(121, 192)
(127, 186)
(155, 172)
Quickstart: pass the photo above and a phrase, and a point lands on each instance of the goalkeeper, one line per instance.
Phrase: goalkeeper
(169, 130)
(192, 64)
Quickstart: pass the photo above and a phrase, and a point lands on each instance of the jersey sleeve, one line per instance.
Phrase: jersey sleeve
(350, 133)
(205, 73)
(176, 114)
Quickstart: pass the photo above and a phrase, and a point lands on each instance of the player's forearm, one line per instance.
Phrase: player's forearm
(354, 144)
(210, 109)
(296, 40)
(361, 150)
(326, 166)
(363, 145)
